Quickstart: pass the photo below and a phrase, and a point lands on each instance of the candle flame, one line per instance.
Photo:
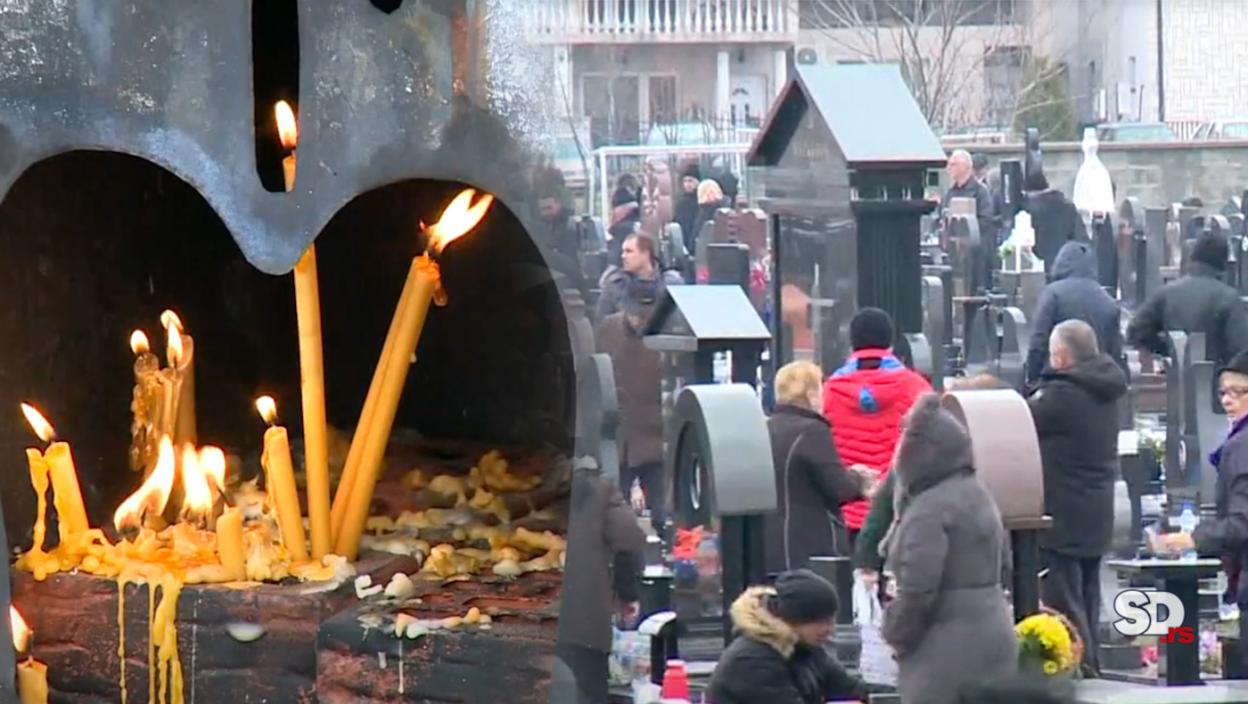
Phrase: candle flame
(138, 342)
(153, 495)
(287, 126)
(169, 319)
(197, 497)
(38, 423)
(458, 219)
(22, 633)
(267, 408)
(174, 351)
(212, 463)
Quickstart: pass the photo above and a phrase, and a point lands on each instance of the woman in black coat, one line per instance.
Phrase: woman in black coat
(811, 483)
(1226, 535)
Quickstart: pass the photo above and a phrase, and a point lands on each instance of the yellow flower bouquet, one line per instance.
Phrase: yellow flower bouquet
(1048, 644)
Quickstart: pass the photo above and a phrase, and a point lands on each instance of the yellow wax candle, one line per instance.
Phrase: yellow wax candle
(39, 480)
(377, 434)
(312, 364)
(288, 135)
(32, 675)
(177, 383)
(66, 494)
(351, 468)
(71, 512)
(185, 429)
(280, 481)
(230, 542)
(423, 287)
(145, 403)
(288, 171)
(32, 681)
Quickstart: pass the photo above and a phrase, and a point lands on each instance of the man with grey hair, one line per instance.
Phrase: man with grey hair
(963, 184)
(1075, 409)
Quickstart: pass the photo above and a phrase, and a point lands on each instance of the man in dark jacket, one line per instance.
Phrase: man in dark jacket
(811, 482)
(965, 185)
(605, 547)
(778, 656)
(639, 262)
(1075, 412)
(559, 228)
(637, 387)
(1054, 218)
(1198, 302)
(1074, 294)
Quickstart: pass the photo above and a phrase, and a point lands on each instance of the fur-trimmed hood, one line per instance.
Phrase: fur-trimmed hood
(752, 619)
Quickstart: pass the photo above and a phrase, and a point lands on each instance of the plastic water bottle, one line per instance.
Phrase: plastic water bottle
(1187, 523)
(720, 368)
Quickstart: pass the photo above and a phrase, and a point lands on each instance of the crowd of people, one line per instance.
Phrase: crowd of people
(870, 465)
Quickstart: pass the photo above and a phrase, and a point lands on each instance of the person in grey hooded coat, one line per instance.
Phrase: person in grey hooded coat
(949, 624)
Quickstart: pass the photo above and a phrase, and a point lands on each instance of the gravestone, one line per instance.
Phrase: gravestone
(1132, 249)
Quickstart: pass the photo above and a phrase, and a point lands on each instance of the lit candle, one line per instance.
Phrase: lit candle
(311, 359)
(145, 403)
(196, 507)
(230, 543)
(351, 467)
(71, 512)
(39, 481)
(32, 681)
(180, 420)
(280, 481)
(151, 498)
(288, 134)
(423, 287)
(212, 463)
(32, 675)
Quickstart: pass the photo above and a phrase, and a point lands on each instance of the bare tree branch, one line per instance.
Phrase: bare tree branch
(934, 42)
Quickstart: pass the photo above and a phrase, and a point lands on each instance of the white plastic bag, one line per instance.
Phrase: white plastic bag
(876, 664)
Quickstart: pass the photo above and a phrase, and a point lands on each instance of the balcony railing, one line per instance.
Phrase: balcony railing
(674, 21)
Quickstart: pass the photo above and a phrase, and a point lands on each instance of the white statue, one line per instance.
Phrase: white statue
(1094, 193)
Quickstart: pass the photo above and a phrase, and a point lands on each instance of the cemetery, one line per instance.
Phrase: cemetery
(844, 218)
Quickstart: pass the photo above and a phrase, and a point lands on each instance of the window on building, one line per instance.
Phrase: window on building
(663, 106)
(1003, 77)
(612, 104)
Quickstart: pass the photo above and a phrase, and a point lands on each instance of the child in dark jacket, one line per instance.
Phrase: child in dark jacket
(778, 656)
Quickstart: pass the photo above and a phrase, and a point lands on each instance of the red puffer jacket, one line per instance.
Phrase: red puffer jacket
(865, 407)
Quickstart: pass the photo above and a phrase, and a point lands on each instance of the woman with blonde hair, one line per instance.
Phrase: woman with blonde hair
(811, 482)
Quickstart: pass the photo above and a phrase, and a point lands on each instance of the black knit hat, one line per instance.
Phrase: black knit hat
(803, 596)
(691, 170)
(871, 328)
(1211, 250)
(1237, 364)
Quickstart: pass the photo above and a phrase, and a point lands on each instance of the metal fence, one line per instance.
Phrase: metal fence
(610, 162)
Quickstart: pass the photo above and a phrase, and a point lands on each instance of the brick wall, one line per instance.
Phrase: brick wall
(1206, 54)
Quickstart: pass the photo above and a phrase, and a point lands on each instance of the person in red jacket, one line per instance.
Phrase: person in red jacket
(865, 401)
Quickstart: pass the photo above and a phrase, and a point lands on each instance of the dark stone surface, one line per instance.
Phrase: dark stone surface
(93, 262)
(360, 659)
(76, 633)
(167, 210)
